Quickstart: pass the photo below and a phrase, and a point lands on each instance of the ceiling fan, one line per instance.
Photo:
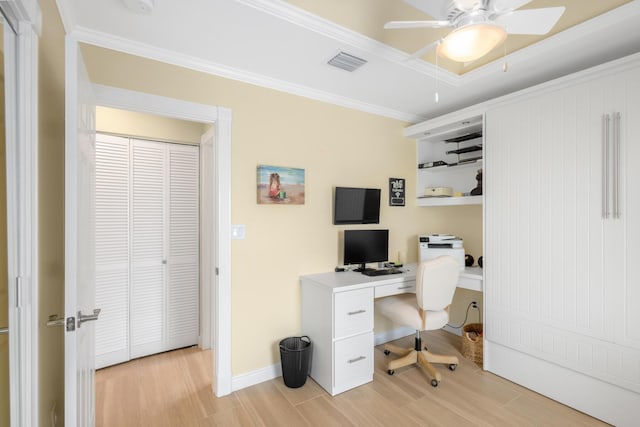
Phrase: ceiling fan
(478, 25)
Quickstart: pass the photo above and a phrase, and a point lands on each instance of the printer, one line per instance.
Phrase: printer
(434, 245)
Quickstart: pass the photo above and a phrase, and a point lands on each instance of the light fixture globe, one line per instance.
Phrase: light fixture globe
(470, 42)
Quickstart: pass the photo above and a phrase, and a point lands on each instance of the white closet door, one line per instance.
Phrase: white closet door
(183, 259)
(112, 250)
(147, 309)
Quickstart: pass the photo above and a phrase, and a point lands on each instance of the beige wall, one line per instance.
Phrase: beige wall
(141, 125)
(335, 146)
(51, 210)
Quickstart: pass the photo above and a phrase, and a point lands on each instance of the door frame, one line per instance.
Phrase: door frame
(21, 123)
(219, 327)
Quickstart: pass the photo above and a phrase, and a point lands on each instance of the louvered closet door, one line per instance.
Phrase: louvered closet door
(183, 259)
(112, 250)
(148, 228)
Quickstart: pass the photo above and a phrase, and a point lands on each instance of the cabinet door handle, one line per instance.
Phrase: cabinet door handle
(616, 165)
(351, 313)
(404, 287)
(605, 166)
(357, 359)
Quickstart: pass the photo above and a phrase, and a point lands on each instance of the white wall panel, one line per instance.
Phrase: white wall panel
(559, 276)
(631, 209)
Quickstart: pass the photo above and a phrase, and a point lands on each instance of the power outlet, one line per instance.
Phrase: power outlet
(53, 414)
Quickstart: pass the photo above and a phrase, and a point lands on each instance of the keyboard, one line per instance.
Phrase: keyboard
(381, 272)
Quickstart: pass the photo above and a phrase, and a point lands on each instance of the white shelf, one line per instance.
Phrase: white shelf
(449, 201)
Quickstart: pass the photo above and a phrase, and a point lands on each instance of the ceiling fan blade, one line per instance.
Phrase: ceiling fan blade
(507, 5)
(427, 48)
(437, 9)
(416, 24)
(531, 21)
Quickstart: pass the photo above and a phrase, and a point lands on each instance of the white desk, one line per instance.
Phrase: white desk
(337, 314)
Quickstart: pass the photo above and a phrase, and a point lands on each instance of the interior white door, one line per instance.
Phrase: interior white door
(112, 249)
(183, 246)
(148, 248)
(79, 240)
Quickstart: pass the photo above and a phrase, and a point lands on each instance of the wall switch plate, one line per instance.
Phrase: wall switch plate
(238, 231)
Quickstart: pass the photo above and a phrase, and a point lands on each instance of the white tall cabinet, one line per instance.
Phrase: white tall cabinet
(562, 235)
(147, 247)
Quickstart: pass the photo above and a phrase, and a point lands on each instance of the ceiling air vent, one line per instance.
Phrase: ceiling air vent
(347, 62)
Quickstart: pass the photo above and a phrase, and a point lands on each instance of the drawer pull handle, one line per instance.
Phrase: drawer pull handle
(357, 359)
(351, 313)
(404, 287)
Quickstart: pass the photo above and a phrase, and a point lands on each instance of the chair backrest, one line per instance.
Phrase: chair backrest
(436, 282)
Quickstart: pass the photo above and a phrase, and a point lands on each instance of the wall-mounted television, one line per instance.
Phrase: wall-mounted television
(356, 205)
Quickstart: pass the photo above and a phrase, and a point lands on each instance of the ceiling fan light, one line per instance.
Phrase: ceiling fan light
(471, 42)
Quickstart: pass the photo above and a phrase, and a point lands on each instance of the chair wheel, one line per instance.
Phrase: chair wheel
(452, 367)
(434, 383)
(387, 352)
(391, 372)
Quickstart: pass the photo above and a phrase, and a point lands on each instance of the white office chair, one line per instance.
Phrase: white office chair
(427, 310)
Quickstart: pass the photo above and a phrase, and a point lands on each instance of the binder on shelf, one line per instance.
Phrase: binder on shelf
(431, 164)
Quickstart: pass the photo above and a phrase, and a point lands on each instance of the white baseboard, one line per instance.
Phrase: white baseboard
(267, 373)
(238, 382)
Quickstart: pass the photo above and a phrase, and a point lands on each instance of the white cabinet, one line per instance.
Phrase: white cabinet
(562, 233)
(340, 325)
(449, 155)
(147, 246)
(337, 314)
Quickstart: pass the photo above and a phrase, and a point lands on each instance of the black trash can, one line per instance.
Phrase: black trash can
(295, 356)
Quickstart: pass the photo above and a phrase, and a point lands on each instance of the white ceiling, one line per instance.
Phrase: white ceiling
(274, 44)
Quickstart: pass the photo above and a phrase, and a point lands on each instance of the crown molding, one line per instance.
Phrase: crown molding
(66, 15)
(302, 18)
(96, 38)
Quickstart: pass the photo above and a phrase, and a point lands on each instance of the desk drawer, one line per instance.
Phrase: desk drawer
(353, 312)
(353, 358)
(395, 289)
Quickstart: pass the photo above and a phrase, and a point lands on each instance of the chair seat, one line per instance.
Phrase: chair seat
(404, 310)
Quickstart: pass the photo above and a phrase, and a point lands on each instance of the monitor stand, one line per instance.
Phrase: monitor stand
(362, 268)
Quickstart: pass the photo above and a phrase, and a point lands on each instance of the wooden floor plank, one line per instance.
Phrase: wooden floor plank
(173, 389)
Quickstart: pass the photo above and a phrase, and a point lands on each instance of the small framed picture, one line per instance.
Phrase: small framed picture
(396, 191)
(280, 185)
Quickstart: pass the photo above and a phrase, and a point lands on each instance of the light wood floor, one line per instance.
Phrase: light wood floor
(174, 389)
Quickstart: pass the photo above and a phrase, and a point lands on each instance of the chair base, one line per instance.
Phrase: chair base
(410, 356)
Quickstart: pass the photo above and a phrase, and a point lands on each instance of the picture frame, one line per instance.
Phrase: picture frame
(280, 185)
(397, 191)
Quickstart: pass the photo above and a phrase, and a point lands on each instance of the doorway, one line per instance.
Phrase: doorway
(147, 235)
(216, 213)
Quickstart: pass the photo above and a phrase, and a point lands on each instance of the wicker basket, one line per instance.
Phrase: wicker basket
(472, 342)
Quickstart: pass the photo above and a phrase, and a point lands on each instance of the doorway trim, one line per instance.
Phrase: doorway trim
(21, 121)
(220, 118)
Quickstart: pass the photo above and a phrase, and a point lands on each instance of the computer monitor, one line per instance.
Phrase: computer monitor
(363, 246)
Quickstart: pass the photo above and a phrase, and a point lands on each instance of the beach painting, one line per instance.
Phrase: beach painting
(280, 185)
